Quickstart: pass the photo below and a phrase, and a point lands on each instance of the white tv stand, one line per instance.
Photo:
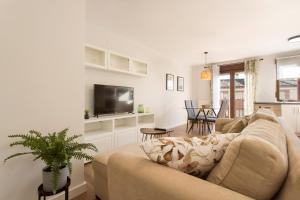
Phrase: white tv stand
(110, 132)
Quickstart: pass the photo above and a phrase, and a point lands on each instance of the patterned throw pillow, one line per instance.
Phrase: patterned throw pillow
(236, 125)
(196, 156)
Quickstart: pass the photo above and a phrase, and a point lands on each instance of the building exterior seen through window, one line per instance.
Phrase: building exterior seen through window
(239, 86)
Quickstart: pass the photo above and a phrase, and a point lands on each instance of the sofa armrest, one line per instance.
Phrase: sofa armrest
(137, 178)
(221, 122)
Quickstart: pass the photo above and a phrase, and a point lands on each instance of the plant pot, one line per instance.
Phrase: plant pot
(48, 179)
(86, 115)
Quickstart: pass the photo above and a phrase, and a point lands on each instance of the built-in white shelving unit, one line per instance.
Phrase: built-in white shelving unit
(118, 62)
(95, 57)
(139, 67)
(99, 58)
(110, 132)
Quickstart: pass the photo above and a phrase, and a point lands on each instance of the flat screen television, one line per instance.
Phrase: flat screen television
(110, 99)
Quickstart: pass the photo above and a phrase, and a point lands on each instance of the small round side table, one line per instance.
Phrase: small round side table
(154, 132)
(42, 193)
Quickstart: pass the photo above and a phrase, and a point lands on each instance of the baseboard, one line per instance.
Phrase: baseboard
(73, 192)
(175, 125)
(180, 124)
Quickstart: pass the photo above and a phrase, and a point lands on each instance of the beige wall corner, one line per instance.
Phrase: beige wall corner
(41, 83)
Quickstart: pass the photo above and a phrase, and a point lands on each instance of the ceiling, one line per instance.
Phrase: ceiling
(184, 29)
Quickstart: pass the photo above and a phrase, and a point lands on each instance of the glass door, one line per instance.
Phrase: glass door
(239, 87)
(232, 87)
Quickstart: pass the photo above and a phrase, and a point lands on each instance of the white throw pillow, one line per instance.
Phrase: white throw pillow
(196, 156)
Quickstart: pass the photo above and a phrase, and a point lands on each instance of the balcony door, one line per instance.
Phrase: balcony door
(232, 85)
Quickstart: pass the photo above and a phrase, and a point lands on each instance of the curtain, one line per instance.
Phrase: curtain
(215, 87)
(250, 86)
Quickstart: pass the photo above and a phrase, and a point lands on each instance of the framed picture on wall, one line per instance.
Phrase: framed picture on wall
(169, 82)
(180, 83)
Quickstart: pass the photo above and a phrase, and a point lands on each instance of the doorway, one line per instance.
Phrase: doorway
(232, 86)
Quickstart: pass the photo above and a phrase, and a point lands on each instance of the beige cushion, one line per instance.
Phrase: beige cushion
(264, 113)
(227, 126)
(100, 160)
(235, 126)
(196, 156)
(255, 163)
(100, 168)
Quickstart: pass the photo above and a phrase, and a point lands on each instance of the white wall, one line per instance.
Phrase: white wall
(266, 79)
(150, 91)
(200, 88)
(41, 83)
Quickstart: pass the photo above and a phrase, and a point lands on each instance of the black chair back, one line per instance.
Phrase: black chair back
(190, 109)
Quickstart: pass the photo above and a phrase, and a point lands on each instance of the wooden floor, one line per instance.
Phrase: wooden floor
(88, 171)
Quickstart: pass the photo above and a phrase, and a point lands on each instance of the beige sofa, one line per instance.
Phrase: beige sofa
(126, 174)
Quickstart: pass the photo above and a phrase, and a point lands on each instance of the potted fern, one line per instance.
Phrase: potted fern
(56, 150)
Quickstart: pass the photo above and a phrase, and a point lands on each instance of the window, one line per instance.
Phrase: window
(288, 78)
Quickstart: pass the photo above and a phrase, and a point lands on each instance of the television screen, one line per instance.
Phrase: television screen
(110, 99)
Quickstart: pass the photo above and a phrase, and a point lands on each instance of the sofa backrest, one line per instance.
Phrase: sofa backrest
(290, 190)
(256, 163)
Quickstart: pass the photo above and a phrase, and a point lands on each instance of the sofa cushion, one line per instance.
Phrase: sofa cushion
(264, 113)
(196, 156)
(100, 160)
(235, 126)
(100, 168)
(255, 163)
(228, 126)
(290, 189)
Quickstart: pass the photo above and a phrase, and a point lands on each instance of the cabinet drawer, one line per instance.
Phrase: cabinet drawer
(103, 143)
(123, 137)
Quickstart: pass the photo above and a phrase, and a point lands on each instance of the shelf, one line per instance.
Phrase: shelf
(139, 67)
(95, 57)
(96, 129)
(145, 114)
(112, 131)
(108, 117)
(98, 58)
(125, 123)
(119, 62)
(124, 127)
(146, 119)
(95, 66)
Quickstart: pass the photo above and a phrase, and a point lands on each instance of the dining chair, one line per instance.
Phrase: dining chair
(211, 119)
(192, 114)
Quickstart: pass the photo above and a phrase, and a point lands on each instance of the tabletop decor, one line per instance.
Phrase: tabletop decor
(86, 114)
(141, 108)
(56, 150)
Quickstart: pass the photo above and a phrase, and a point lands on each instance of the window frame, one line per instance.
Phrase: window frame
(277, 92)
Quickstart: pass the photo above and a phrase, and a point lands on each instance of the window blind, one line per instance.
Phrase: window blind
(288, 67)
